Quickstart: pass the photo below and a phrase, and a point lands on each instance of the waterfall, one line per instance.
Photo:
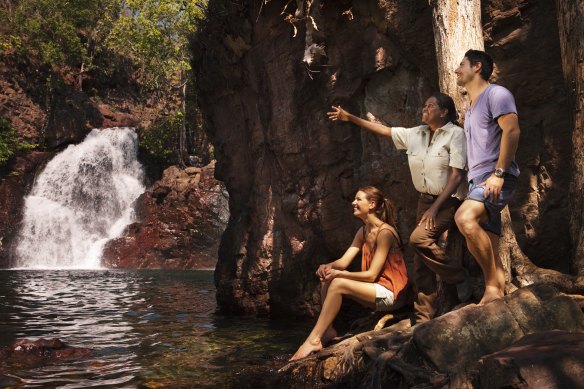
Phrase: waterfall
(83, 198)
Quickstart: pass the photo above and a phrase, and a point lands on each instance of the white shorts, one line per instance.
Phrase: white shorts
(384, 298)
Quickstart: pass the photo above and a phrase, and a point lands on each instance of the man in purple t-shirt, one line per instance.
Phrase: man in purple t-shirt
(492, 134)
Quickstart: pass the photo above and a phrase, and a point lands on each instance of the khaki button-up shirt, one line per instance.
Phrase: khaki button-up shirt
(430, 161)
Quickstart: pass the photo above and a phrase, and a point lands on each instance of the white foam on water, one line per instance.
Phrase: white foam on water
(83, 198)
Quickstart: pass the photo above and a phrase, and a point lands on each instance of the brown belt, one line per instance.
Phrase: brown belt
(428, 197)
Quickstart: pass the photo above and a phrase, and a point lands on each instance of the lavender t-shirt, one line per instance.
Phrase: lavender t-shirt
(483, 134)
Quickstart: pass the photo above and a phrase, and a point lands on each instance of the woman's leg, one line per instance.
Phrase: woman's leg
(364, 292)
(330, 332)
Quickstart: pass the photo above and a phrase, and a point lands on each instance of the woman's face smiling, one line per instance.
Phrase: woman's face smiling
(361, 205)
(432, 114)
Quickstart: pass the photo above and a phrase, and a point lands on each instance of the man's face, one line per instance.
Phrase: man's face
(465, 72)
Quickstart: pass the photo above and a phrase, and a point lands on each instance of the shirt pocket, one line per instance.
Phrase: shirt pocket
(439, 162)
(414, 160)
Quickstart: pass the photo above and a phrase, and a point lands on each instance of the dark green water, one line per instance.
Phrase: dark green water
(147, 329)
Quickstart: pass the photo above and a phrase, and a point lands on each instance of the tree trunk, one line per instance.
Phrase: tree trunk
(80, 78)
(182, 133)
(571, 29)
(457, 28)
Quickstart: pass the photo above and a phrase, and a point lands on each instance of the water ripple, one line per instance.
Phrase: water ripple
(147, 328)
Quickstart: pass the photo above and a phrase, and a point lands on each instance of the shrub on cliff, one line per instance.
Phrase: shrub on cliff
(9, 142)
(160, 140)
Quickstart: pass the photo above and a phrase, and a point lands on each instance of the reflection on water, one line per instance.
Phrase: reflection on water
(147, 328)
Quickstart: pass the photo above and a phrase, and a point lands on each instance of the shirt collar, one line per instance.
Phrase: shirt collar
(446, 127)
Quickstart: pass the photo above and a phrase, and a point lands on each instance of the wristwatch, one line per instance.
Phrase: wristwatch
(499, 172)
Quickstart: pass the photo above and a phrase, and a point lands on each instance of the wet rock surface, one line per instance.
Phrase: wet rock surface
(291, 173)
(181, 219)
(35, 352)
(13, 187)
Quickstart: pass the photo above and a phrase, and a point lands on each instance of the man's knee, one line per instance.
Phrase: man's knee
(418, 238)
(466, 221)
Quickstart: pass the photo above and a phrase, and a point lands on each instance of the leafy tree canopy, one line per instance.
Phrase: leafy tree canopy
(154, 33)
(57, 32)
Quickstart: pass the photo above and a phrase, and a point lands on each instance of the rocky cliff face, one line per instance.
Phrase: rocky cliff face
(54, 116)
(181, 219)
(265, 86)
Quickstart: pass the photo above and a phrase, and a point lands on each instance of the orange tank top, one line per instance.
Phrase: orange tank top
(394, 275)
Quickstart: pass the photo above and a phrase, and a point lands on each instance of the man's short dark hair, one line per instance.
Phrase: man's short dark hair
(477, 56)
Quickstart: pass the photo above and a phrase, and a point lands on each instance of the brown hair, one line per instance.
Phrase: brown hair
(478, 56)
(384, 208)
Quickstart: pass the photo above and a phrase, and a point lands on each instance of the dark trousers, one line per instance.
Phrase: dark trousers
(430, 259)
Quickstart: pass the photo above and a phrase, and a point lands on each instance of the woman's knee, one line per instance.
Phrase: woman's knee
(337, 285)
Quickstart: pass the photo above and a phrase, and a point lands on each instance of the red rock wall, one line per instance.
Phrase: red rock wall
(291, 173)
(180, 221)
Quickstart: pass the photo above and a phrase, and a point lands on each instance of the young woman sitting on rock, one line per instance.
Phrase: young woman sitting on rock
(382, 282)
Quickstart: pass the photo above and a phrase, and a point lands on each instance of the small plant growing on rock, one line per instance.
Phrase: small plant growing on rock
(10, 144)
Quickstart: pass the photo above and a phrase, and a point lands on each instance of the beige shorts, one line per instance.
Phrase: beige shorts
(384, 298)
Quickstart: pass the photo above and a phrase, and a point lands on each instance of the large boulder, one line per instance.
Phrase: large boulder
(544, 360)
(181, 219)
(457, 340)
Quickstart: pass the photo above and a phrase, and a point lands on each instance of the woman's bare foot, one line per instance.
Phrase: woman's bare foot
(491, 293)
(306, 349)
(329, 335)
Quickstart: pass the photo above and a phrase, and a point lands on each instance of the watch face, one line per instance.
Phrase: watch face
(499, 172)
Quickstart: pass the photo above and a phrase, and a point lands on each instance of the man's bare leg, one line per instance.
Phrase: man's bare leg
(482, 247)
(339, 287)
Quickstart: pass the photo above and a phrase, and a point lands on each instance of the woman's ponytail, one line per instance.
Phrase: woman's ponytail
(384, 208)
(388, 212)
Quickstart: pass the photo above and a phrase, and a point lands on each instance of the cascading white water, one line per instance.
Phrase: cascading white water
(83, 198)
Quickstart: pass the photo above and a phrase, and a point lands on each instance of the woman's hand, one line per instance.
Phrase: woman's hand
(323, 271)
(338, 114)
(333, 273)
(429, 218)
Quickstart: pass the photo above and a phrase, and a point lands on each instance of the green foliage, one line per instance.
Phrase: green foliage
(160, 140)
(9, 142)
(154, 33)
(58, 32)
(100, 37)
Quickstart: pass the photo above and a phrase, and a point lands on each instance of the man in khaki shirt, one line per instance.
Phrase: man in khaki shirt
(437, 158)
